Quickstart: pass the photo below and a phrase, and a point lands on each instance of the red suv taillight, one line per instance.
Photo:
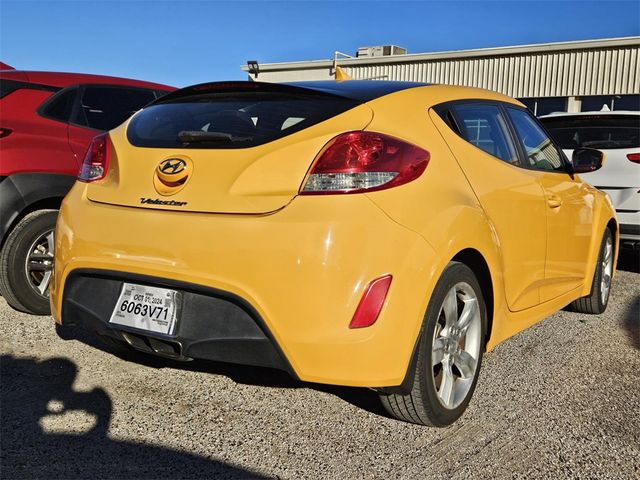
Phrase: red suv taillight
(96, 160)
(633, 157)
(357, 162)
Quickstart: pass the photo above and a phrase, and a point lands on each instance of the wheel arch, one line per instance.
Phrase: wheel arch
(603, 219)
(612, 225)
(473, 259)
(50, 203)
(24, 193)
(476, 261)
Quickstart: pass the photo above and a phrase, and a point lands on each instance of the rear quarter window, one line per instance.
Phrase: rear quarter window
(231, 120)
(595, 131)
(482, 125)
(60, 106)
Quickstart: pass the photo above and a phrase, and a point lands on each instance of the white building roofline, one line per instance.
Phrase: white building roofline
(477, 52)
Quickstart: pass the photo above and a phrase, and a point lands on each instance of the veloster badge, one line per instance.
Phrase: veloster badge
(157, 201)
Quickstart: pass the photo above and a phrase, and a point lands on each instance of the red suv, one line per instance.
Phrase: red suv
(47, 121)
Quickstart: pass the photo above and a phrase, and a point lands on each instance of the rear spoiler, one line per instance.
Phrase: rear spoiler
(359, 90)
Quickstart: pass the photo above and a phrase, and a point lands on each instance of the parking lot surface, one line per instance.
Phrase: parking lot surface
(560, 400)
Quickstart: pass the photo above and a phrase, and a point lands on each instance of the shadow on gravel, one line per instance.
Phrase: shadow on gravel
(33, 397)
(629, 260)
(631, 322)
(363, 398)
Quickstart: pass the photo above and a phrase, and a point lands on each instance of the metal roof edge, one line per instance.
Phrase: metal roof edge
(477, 52)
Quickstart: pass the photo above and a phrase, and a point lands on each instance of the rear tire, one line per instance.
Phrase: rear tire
(450, 350)
(26, 263)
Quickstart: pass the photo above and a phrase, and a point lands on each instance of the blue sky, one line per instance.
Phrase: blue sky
(186, 42)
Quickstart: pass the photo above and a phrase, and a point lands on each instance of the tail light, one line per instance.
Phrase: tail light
(357, 162)
(4, 132)
(371, 302)
(634, 157)
(96, 160)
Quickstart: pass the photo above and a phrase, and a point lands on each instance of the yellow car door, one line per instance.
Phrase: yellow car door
(510, 195)
(569, 208)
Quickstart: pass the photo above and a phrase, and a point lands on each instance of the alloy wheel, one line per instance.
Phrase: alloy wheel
(456, 345)
(39, 263)
(607, 268)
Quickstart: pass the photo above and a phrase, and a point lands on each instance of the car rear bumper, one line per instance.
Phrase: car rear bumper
(214, 325)
(298, 274)
(627, 205)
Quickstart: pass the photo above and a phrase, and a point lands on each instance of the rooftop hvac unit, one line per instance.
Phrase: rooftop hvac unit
(380, 51)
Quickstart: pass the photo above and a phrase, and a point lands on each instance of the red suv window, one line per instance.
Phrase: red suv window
(104, 107)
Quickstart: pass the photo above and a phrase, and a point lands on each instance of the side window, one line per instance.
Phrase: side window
(541, 153)
(106, 107)
(483, 126)
(59, 106)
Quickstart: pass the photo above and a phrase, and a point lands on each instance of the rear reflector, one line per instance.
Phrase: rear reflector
(371, 302)
(634, 157)
(96, 160)
(357, 162)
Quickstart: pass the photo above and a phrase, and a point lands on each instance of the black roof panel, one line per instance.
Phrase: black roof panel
(362, 90)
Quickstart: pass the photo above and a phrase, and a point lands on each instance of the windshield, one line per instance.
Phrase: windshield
(231, 120)
(595, 131)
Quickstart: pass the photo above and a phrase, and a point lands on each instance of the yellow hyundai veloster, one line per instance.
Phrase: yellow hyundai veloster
(359, 233)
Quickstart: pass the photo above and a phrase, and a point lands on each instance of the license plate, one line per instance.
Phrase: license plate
(146, 308)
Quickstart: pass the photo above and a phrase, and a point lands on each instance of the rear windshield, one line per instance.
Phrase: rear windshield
(231, 120)
(595, 131)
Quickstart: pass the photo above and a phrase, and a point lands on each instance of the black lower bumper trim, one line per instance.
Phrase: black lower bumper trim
(212, 324)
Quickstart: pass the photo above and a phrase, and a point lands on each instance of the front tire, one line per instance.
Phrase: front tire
(26, 263)
(450, 349)
(598, 299)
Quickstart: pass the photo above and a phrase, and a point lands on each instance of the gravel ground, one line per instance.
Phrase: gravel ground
(560, 400)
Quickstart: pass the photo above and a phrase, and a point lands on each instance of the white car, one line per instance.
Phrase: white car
(617, 134)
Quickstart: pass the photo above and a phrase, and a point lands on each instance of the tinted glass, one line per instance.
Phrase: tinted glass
(613, 102)
(626, 102)
(595, 104)
(549, 105)
(545, 105)
(104, 108)
(484, 127)
(530, 103)
(541, 153)
(595, 131)
(60, 105)
(234, 120)
(9, 86)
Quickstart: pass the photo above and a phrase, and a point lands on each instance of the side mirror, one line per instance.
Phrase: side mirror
(585, 160)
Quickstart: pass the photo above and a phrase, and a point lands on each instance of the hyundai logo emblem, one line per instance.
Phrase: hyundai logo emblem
(172, 166)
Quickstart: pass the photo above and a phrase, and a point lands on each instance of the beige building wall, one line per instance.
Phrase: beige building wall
(566, 69)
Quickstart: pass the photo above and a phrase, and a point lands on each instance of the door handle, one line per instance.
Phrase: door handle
(554, 201)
